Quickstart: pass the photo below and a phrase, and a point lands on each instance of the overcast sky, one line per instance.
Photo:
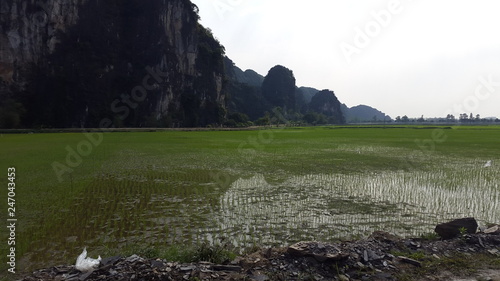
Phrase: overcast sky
(405, 57)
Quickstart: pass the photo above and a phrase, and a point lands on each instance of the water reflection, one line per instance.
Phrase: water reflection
(325, 207)
(116, 212)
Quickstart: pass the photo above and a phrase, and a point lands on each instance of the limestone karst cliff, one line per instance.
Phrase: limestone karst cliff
(89, 63)
(325, 102)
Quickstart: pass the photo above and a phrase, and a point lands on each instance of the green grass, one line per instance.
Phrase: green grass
(416, 255)
(129, 190)
(459, 264)
(217, 253)
(431, 236)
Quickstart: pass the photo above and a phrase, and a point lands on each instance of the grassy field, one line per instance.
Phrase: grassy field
(129, 190)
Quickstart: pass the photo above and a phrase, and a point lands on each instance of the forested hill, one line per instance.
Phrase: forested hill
(364, 113)
(82, 64)
(248, 94)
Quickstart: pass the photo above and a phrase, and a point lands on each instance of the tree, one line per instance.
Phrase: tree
(464, 117)
(238, 119)
(11, 113)
(405, 119)
(314, 118)
(264, 121)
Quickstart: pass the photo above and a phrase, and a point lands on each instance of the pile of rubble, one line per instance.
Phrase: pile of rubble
(381, 256)
(137, 268)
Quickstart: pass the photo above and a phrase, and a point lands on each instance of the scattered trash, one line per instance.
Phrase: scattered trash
(488, 164)
(86, 264)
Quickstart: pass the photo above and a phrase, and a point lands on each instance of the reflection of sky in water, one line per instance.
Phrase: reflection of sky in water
(323, 207)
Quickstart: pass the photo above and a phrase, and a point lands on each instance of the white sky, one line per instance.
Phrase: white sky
(422, 57)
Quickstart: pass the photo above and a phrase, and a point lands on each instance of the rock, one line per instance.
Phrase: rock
(71, 277)
(493, 230)
(109, 261)
(365, 256)
(259, 277)
(410, 261)
(321, 252)
(452, 229)
(63, 269)
(415, 244)
(384, 237)
(360, 265)
(372, 256)
(494, 252)
(188, 268)
(226, 268)
(157, 264)
(481, 243)
(134, 258)
(343, 278)
(85, 275)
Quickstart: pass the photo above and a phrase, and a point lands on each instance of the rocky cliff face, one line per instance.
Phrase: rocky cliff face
(325, 102)
(278, 87)
(84, 63)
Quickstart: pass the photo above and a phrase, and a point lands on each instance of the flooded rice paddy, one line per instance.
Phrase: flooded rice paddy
(143, 200)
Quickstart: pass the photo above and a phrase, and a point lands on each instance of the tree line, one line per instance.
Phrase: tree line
(450, 118)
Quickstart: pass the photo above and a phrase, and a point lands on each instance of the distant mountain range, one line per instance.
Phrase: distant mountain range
(364, 113)
(304, 95)
(97, 67)
(355, 114)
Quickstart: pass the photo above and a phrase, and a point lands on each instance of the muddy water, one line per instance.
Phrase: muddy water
(325, 207)
(117, 212)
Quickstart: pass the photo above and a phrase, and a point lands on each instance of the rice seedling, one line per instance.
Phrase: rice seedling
(157, 190)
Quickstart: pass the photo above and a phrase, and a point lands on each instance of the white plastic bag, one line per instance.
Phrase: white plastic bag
(85, 264)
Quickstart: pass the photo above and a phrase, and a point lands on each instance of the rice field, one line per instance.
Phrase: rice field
(262, 187)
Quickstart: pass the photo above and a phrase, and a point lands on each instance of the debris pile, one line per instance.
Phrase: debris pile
(381, 256)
